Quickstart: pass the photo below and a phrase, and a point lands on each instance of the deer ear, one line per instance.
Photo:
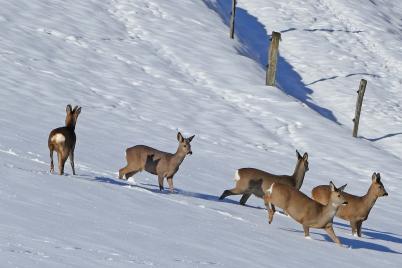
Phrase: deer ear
(191, 138)
(378, 177)
(69, 108)
(305, 156)
(298, 155)
(374, 177)
(180, 137)
(332, 186)
(77, 110)
(342, 187)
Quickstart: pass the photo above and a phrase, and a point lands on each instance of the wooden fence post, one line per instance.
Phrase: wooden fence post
(273, 59)
(359, 102)
(232, 18)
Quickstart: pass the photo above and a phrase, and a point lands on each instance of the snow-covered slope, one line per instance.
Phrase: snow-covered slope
(142, 70)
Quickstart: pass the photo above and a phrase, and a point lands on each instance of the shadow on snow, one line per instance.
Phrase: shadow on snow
(352, 243)
(155, 189)
(253, 35)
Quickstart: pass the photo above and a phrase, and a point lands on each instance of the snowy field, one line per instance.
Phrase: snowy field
(144, 69)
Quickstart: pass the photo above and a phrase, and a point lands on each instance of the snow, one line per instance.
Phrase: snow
(143, 70)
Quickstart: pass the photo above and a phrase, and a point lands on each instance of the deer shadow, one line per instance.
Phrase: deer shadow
(374, 234)
(255, 39)
(177, 191)
(351, 243)
(203, 196)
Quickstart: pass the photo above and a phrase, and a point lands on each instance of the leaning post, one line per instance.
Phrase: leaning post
(359, 103)
(232, 19)
(273, 59)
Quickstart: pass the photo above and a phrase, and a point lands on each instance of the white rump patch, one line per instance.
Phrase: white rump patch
(59, 138)
(236, 176)
(269, 191)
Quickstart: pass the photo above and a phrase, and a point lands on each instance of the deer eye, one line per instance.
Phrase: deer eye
(339, 195)
(185, 146)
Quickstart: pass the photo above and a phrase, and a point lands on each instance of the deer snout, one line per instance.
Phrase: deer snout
(345, 203)
(190, 152)
(385, 194)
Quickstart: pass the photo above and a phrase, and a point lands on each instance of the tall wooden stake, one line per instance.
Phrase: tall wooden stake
(273, 59)
(232, 18)
(359, 102)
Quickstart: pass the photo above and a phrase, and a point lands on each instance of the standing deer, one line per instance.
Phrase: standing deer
(62, 140)
(254, 181)
(305, 210)
(358, 207)
(162, 164)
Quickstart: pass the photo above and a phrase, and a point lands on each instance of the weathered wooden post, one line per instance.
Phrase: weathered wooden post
(273, 59)
(359, 102)
(232, 18)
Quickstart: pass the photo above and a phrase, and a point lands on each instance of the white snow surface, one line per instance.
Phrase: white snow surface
(144, 69)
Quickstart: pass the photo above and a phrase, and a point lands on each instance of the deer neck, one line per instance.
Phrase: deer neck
(70, 124)
(298, 174)
(330, 210)
(178, 157)
(369, 198)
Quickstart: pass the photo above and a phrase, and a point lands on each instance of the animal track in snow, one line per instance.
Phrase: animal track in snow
(76, 40)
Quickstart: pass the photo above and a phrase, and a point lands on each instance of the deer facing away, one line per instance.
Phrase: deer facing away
(254, 181)
(358, 207)
(303, 209)
(162, 164)
(62, 140)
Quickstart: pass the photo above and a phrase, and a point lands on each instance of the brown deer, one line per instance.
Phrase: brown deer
(303, 209)
(62, 140)
(358, 207)
(254, 181)
(162, 164)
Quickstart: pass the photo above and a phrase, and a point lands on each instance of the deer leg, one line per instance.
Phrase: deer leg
(160, 180)
(353, 224)
(271, 214)
(359, 228)
(331, 233)
(271, 209)
(233, 191)
(306, 231)
(244, 198)
(51, 160)
(170, 182)
(130, 174)
(72, 161)
(60, 163)
(125, 172)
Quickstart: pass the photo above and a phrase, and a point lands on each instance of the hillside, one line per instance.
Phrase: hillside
(142, 70)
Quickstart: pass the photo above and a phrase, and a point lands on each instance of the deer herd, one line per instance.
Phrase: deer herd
(281, 191)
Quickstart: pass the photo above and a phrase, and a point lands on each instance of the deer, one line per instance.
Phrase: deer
(306, 211)
(63, 139)
(162, 164)
(358, 207)
(254, 181)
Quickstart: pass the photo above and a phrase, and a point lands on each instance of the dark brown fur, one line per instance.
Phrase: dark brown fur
(64, 145)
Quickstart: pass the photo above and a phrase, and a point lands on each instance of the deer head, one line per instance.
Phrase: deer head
(72, 115)
(184, 144)
(336, 197)
(302, 159)
(377, 186)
